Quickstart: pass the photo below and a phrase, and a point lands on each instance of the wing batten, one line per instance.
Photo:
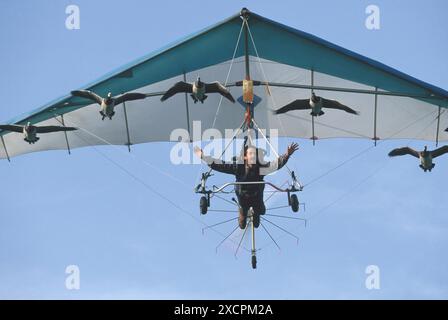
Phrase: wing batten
(388, 99)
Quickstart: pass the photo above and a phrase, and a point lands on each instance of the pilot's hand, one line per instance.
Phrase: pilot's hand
(293, 147)
(198, 152)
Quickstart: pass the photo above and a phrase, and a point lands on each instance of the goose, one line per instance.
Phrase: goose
(425, 156)
(315, 103)
(30, 132)
(198, 90)
(108, 104)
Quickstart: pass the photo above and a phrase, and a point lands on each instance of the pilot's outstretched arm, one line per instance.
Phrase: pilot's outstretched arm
(280, 162)
(221, 166)
(216, 164)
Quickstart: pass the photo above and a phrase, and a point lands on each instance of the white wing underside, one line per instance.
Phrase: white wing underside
(152, 120)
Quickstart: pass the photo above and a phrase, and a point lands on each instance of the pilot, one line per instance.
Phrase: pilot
(252, 169)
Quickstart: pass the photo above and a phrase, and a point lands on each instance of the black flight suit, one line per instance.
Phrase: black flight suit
(249, 195)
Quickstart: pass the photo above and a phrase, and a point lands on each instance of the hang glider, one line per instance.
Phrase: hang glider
(284, 64)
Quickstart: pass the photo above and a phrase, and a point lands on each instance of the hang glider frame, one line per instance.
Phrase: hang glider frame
(4, 147)
(431, 96)
(65, 133)
(128, 143)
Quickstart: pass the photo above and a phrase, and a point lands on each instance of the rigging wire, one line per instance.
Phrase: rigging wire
(214, 121)
(273, 149)
(364, 151)
(349, 191)
(327, 126)
(275, 106)
(242, 238)
(221, 98)
(147, 186)
(117, 147)
(230, 142)
(275, 192)
(270, 236)
(345, 194)
(344, 162)
(228, 73)
(363, 181)
(283, 229)
(225, 238)
(264, 75)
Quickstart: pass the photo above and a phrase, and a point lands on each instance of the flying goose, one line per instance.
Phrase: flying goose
(198, 90)
(108, 104)
(425, 156)
(315, 103)
(30, 132)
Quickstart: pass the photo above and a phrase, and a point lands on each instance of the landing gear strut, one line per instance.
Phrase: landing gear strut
(254, 250)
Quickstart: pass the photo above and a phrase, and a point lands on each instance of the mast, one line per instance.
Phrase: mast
(245, 14)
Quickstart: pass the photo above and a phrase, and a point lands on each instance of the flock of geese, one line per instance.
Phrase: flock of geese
(198, 91)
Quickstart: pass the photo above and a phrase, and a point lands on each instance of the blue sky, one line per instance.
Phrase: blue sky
(57, 210)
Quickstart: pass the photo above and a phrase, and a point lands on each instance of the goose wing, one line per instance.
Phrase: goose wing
(88, 95)
(129, 97)
(333, 104)
(295, 105)
(216, 87)
(12, 128)
(178, 87)
(48, 129)
(438, 152)
(404, 151)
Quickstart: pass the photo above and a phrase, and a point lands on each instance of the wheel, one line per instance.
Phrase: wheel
(203, 205)
(294, 203)
(254, 262)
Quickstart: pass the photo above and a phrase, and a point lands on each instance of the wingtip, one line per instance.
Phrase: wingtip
(76, 92)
